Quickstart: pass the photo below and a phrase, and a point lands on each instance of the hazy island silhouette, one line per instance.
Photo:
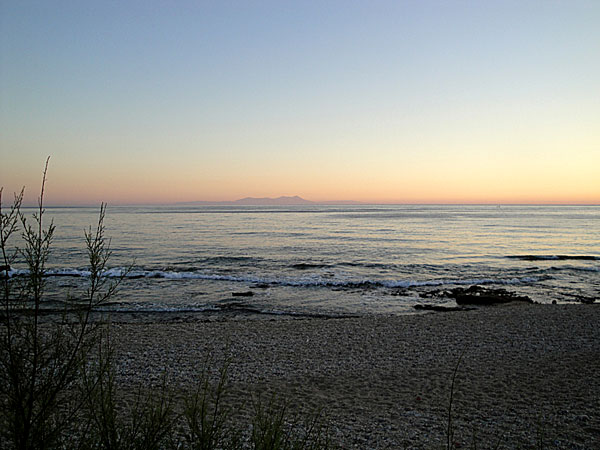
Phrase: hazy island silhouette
(275, 201)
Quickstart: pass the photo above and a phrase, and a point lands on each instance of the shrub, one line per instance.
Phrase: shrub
(43, 363)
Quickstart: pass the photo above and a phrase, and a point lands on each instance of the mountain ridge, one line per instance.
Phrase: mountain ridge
(284, 200)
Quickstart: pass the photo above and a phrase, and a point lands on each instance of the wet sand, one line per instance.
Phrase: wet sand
(527, 372)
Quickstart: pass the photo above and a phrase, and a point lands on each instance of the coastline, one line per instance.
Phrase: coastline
(527, 371)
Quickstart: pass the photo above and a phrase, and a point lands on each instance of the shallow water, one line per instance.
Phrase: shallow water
(358, 259)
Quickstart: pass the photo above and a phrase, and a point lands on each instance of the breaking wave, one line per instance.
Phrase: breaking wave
(309, 281)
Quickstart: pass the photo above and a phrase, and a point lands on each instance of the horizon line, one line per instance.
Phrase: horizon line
(232, 203)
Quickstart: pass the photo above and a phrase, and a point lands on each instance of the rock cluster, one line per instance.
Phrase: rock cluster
(478, 295)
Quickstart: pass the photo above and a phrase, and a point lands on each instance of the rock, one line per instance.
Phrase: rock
(478, 295)
(242, 294)
(586, 300)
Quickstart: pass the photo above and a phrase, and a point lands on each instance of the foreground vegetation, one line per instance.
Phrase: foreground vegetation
(58, 382)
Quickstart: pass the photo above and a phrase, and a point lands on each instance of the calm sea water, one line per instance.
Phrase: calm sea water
(331, 259)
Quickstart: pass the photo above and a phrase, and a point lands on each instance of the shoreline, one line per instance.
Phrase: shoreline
(384, 381)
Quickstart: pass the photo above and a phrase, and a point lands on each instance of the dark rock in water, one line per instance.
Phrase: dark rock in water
(586, 300)
(478, 295)
(242, 294)
(440, 308)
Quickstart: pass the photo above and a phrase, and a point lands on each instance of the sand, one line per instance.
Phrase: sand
(528, 373)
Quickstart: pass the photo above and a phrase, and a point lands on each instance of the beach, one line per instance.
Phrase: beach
(527, 374)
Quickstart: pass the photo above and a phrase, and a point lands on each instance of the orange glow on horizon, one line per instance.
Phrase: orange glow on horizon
(120, 188)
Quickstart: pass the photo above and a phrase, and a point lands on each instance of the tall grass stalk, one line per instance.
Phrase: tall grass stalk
(450, 425)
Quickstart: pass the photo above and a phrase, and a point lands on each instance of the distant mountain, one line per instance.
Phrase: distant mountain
(284, 200)
(268, 201)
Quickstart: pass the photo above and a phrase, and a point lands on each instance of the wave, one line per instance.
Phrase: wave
(554, 257)
(509, 281)
(310, 281)
(582, 269)
(308, 266)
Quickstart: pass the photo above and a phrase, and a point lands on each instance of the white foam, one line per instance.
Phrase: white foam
(306, 281)
(68, 272)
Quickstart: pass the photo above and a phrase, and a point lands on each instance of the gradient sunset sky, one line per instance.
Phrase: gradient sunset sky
(376, 101)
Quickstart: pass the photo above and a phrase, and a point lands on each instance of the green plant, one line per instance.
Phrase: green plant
(274, 429)
(207, 419)
(38, 363)
(42, 361)
(146, 425)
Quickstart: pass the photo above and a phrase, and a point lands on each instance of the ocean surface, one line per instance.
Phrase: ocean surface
(329, 260)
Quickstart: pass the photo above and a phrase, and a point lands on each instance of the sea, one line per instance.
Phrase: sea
(326, 260)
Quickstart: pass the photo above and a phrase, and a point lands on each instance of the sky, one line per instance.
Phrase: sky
(375, 101)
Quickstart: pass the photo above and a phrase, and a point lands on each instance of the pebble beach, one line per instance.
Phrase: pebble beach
(527, 376)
